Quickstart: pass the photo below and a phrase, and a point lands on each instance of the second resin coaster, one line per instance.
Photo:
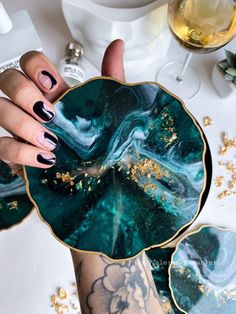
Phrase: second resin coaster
(130, 169)
(14, 202)
(203, 272)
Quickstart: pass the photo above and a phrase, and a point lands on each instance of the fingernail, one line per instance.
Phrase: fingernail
(46, 159)
(46, 80)
(43, 111)
(46, 139)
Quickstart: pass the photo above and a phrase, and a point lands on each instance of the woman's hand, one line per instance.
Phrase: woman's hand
(30, 103)
(104, 286)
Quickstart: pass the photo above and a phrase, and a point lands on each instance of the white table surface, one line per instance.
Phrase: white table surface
(32, 263)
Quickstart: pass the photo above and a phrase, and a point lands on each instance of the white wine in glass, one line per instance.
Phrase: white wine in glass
(200, 26)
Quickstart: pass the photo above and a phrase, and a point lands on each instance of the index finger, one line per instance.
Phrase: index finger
(41, 71)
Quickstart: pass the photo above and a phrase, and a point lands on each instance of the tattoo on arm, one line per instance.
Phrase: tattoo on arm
(123, 287)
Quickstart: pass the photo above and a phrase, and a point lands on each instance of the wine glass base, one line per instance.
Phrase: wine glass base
(186, 89)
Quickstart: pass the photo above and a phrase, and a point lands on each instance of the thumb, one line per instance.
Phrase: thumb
(112, 64)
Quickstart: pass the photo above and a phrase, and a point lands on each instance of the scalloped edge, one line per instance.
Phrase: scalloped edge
(177, 247)
(203, 160)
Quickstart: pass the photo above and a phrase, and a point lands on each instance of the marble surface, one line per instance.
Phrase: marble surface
(14, 202)
(203, 272)
(125, 166)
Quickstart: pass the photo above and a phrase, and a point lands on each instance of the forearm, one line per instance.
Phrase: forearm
(106, 287)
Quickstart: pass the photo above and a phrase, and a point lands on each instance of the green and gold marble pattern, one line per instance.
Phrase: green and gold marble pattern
(130, 168)
(14, 202)
(203, 272)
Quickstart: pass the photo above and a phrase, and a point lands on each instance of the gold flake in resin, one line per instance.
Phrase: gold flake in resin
(146, 167)
(13, 205)
(169, 127)
(222, 295)
(120, 168)
(65, 177)
(173, 137)
(79, 185)
(44, 181)
(203, 289)
(149, 169)
(163, 198)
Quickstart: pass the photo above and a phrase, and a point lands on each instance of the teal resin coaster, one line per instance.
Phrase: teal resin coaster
(203, 272)
(14, 202)
(130, 169)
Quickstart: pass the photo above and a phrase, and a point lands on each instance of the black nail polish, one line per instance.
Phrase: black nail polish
(43, 159)
(53, 80)
(42, 111)
(50, 138)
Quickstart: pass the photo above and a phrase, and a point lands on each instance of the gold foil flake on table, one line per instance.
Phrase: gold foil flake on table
(62, 294)
(218, 181)
(207, 121)
(58, 305)
(230, 168)
(227, 144)
(65, 302)
(231, 185)
(231, 182)
(226, 193)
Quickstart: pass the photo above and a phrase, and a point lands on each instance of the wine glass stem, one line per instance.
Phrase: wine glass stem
(180, 77)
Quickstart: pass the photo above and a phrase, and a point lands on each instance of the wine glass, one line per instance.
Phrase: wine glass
(200, 26)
